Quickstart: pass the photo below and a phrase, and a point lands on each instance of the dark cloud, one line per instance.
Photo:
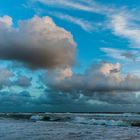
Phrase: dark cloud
(52, 97)
(37, 42)
(23, 81)
(51, 100)
(114, 97)
(9, 99)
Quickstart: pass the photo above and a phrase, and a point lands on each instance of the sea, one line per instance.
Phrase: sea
(69, 126)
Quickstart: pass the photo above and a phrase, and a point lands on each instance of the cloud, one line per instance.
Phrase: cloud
(100, 85)
(84, 24)
(50, 97)
(5, 77)
(121, 54)
(67, 4)
(124, 24)
(103, 82)
(66, 102)
(9, 79)
(47, 102)
(6, 21)
(37, 42)
(129, 55)
(11, 99)
(122, 21)
(23, 81)
(81, 5)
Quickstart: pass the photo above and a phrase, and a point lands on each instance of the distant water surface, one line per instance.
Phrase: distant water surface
(69, 126)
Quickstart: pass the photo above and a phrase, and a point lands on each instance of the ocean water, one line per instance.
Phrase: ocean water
(69, 126)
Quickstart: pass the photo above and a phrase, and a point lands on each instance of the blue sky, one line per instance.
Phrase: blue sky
(65, 54)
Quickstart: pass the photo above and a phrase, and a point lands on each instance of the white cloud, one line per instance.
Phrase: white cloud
(122, 21)
(84, 24)
(121, 54)
(6, 21)
(60, 74)
(123, 24)
(81, 5)
(66, 4)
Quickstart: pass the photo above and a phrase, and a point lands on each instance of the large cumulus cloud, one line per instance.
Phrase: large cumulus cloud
(103, 82)
(98, 77)
(37, 42)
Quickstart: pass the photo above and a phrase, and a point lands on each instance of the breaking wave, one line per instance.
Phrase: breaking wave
(101, 122)
(125, 120)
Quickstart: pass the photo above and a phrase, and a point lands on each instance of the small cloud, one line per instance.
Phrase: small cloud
(84, 24)
(121, 54)
(23, 81)
(129, 55)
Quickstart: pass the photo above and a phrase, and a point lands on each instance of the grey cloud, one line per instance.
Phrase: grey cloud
(103, 82)
(51, 97)
(114, 97)
(48, 101)
(5, 77)
(23, 81)
(51, 100)
(9, 98)
(8, 79)
(37, 42)
(129, 55)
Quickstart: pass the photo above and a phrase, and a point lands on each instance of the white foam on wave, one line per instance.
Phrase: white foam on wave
(92, 121)
(109, 122)
(36, 117)
(80, 120)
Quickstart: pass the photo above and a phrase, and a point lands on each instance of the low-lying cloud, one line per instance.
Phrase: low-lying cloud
(98, 77)
(103, 82)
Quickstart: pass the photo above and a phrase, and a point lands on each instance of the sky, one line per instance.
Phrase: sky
(69, 56)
